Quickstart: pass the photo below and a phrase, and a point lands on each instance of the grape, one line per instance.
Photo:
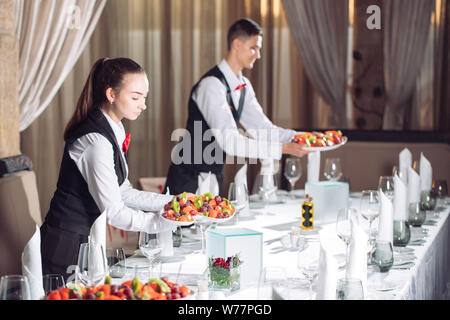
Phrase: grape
(183, 294)
(114, 289)
(175, 296)
(169, 296)
(218, 199)
(128, 292)
(175, 289)
(167, 207)
(90, 296)
(165, 279)
(193, 213)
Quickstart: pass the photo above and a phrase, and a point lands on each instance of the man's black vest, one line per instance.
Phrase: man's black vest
(72, 207)
(175, 181)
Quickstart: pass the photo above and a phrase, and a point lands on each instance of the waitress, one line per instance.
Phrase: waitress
(93, 177)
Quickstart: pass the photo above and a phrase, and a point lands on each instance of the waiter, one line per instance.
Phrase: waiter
(219, 102)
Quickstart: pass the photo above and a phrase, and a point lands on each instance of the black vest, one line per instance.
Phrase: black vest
(183, 177)
(72, 207)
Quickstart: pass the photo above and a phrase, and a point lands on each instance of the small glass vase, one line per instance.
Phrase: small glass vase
(221, 278)
(428, 200)
(402, 233)
(416, 215)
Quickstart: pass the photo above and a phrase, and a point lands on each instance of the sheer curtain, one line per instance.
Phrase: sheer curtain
(406, 31)
(52, 34)
(176, 41)
(320, 31)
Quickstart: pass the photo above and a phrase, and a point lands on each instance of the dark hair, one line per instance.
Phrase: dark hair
(243, 28)
(105, 73)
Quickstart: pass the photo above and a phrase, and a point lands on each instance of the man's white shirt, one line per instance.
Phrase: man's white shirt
(94, 157)
(266, 139)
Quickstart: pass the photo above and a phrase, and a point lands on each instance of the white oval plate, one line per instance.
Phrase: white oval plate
(177, 223)
(327, 148)
(201, 219)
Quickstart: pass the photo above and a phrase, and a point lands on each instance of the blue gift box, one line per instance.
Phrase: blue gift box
(226, 242)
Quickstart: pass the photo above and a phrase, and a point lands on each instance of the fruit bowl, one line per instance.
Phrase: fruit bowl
(321, 141)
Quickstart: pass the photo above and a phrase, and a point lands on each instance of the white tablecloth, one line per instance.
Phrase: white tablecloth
(427, 279)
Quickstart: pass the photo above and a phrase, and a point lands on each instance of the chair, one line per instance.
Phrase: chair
(19, 215)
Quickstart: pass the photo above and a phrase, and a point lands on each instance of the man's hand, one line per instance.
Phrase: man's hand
(294, 149)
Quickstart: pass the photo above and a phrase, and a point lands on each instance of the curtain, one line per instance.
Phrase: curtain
(320, 31)
(52, 34)
(406, 31)
(176, 41)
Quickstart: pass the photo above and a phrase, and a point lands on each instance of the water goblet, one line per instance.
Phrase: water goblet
(150, 247)
(292, 172)
(52, 282)
(270, 280)
(92, 265)
(386, 184)
(308, 261)
(383, 255)
(238, 195)
(116, 262)
(343, 227)
(14, 287)
(416, 215)
(440, 190)
(333, 169)
(349, 289)
(370, 208)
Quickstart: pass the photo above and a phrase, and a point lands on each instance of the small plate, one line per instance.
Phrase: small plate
(385, 285)
(327, 148)
(135, 262)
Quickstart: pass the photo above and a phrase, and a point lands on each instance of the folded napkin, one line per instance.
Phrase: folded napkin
(98, 231)
(207, 182)
(267, 175)
(357, 254)
(413, 186)
(405, 161)
(241, 179)
(400, 199)
(386, 219)
(426, 173)
(313, 166)
(328, 272)
(32, 265)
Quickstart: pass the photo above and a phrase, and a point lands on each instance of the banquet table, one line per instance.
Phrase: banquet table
(426, 279)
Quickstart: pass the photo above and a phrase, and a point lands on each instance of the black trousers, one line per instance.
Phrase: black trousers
(182, 178)
(59, 250)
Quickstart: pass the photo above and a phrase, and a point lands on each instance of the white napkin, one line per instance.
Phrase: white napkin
(98, 231)
(413, 186)
(267, 173)
(357, 255)
(400, 199)
(165, 239)
(405, 161)
(386, 220)
(313, 166)
(241, 179)
(32, 265)
(328, 273)
(426, 173)
(207, 182)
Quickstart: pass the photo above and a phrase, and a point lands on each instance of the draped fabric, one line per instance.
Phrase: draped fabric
(175, 41)
(52, 35)
(320, 31)
(406, 31)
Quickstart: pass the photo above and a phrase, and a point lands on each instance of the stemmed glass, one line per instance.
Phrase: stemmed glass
(269, 279)
(150, 246)
(343, 227)
(92, 266)
(14, 287)
(238, 195)
(116, 262)
(370, 208)
(333, 169)
(440, 190)
(308, 261)
(52, 282)
(386, 184)
(292, 171)
(349, 289)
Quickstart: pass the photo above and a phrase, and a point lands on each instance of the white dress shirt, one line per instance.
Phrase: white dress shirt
(94, 157)
(266, 139)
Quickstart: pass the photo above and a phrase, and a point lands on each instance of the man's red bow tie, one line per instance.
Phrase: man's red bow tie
(126, 143)
(239, 87)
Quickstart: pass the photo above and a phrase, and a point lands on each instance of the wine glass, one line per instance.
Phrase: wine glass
(383, 255)
(349, 289)
(92, 266)
(343, 227)
(150, 247)
(370, 208)
(308, 261)
(117, 262)
(238, 195)
(292, 171)
(52, 282)
(14, 287)
(333, 169)
(440, 190)
(271, 278)
(386, 184)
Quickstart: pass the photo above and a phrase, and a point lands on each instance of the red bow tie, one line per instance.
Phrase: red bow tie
(239, 87)
(126, 143)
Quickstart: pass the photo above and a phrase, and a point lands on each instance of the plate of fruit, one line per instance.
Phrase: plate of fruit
(184, 211)
(321, 141)
(153, 289)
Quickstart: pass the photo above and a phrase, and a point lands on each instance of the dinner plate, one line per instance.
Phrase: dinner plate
(201, 219)
(327, 148)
